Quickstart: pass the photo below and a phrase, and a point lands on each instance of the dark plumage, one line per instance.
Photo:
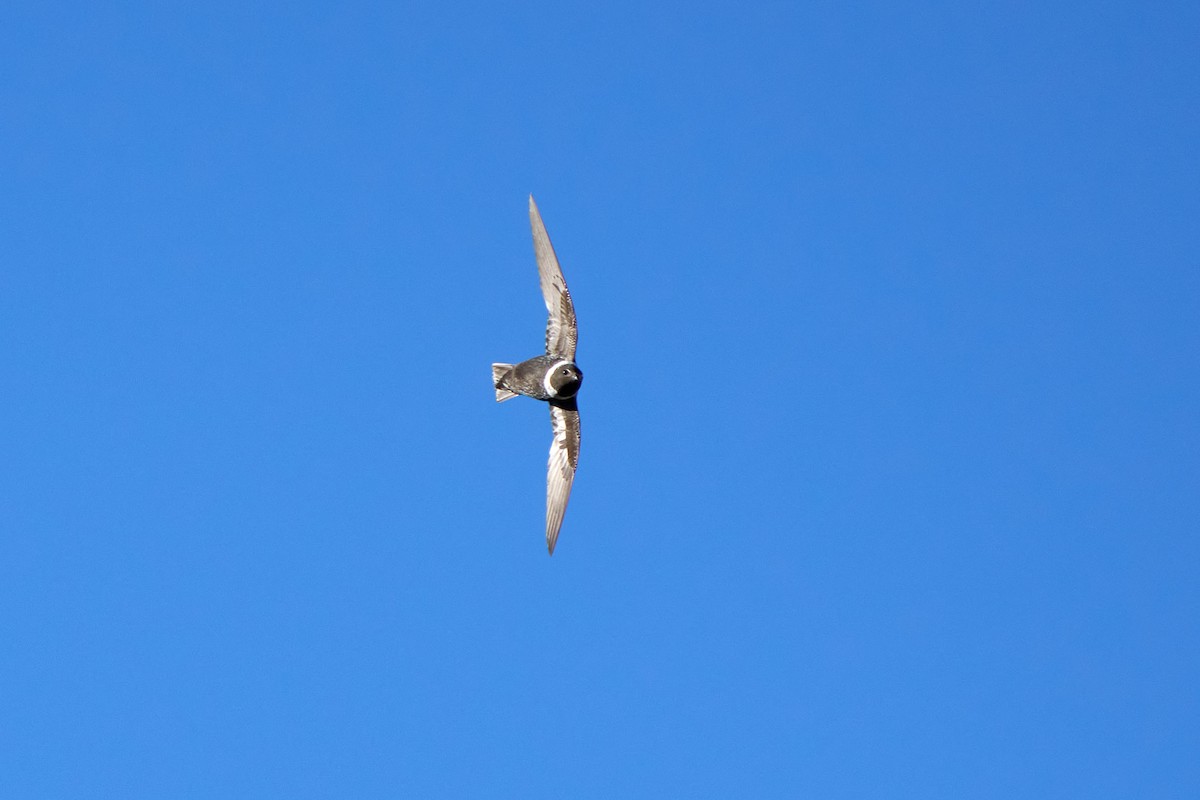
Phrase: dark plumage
(553, 377)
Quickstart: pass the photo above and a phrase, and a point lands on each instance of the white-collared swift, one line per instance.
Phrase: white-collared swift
(553, 377)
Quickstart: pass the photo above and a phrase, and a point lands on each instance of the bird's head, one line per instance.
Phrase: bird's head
(564, 380)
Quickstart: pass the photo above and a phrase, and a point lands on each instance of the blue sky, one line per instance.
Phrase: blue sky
(889, 476)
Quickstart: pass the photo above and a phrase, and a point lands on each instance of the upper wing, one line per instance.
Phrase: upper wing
(564, 458)
(560, 329)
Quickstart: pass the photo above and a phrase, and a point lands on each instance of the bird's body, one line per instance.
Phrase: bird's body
(553, 377)
(541, 377)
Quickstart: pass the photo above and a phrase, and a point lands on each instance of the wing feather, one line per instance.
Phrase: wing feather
(561, 333)
(564, 458)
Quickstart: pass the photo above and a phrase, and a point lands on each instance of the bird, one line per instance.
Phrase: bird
(554, 378)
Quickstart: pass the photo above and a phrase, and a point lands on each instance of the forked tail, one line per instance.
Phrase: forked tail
(498, 373)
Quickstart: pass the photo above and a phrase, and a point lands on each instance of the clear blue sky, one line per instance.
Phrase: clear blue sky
(890, 478)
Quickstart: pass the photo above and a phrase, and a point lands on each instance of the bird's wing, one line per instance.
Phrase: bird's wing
(564, 458)
(560, 328)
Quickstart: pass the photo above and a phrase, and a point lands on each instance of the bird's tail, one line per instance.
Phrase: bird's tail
(498, 373)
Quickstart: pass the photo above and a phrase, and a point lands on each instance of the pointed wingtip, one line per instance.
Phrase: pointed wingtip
(532, 204)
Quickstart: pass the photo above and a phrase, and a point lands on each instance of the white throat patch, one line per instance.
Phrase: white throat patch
(546, 380)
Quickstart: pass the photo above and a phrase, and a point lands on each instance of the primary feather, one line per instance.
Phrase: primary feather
(561, 334)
